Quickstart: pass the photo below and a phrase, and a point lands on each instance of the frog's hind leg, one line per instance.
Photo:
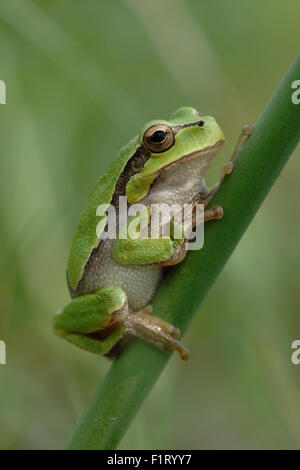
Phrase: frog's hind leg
(97, 322)
(156, 331)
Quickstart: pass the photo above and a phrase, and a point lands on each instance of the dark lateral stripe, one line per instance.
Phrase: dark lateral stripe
(138, 159)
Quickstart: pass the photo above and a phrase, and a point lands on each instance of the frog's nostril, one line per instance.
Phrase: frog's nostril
(201, 123)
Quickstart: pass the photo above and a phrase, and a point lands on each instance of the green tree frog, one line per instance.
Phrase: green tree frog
(112, 281)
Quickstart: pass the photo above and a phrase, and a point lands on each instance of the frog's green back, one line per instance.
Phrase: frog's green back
(85, 238)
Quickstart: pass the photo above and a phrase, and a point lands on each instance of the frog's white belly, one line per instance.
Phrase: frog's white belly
(139, 282)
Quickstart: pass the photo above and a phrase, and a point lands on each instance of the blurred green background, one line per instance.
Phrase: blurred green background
(82, 77)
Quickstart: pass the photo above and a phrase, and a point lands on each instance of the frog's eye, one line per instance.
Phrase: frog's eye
(158, 138)
(201, 123)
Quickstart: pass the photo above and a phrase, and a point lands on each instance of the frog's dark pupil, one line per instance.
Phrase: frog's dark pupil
(158, 136)
(201, 123)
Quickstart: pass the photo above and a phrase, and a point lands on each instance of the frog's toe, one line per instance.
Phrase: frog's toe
(214, 213)
(248, 129)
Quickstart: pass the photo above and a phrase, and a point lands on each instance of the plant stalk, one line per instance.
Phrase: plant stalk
(132, 376)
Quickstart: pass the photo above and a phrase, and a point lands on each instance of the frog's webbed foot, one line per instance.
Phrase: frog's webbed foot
(156, 331)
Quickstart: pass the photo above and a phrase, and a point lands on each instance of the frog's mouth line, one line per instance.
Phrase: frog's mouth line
(208, 151)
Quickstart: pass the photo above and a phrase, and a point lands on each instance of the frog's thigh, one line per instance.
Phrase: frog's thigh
(142, 250)
(91, 312)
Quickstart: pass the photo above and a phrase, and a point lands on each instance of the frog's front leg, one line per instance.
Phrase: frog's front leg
(140, 248)
(204, 197)
(180, 250)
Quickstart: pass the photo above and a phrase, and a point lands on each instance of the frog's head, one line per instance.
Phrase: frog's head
(187, 134)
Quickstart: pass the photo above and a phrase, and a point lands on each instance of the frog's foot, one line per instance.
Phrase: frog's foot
(156, 331)
(167, 327)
